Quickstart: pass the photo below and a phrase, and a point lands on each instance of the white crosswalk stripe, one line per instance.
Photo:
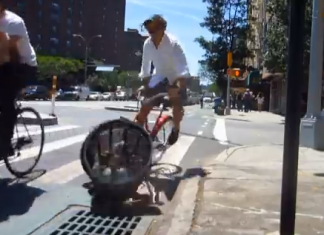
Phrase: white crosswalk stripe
(72, 169)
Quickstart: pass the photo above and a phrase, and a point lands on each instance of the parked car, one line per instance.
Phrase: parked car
(37, 92)
(75, 93)
(95, 95)
(108, 96)
(121, 96)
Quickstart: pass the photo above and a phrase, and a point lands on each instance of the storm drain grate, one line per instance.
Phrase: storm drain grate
(87, 223)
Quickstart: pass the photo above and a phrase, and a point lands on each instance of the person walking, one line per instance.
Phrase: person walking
(260, 100)
(247, 97)
(239, 102)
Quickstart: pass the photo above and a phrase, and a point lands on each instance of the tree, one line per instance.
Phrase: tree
(49, 66)
(277, 36)
(104, 81)
(228, 21)
(205, 74)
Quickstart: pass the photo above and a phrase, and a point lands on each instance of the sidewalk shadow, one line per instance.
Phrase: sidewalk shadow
(16, 197)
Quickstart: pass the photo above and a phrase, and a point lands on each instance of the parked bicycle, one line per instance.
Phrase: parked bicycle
(18, 141)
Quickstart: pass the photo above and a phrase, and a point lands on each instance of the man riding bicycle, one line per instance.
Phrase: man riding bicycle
(17, 64)
(170, 72)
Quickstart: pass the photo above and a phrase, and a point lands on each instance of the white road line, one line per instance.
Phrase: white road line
(173, 156)
(61, 175)
(175, 153)
(50, 147)
(38, 132)
(199, 133)
(220, 132)
(72, 170)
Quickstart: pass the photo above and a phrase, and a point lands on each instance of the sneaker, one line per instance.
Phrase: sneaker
(173, 137)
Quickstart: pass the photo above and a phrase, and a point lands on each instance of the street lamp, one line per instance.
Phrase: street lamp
(87, 43)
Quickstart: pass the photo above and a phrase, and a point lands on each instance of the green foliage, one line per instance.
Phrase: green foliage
(104, 81)
(228, 21)
(49, 66)
(277, 36)
(65, 67)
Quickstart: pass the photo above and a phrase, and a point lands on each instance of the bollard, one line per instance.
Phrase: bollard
(54, 82)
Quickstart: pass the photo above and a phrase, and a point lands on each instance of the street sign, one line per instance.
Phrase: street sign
(229, 59)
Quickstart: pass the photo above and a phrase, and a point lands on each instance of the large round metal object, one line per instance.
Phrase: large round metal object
(117, 155)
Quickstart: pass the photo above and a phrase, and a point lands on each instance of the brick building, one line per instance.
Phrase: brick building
(133, 50)
(52, 24)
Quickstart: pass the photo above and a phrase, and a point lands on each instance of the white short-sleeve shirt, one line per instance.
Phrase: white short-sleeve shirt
(14, 25)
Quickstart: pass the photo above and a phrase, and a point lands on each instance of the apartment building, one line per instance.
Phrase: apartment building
(52, 26)
(257, 20)
(133, 50)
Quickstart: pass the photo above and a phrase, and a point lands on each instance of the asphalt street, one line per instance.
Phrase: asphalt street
(203, 136)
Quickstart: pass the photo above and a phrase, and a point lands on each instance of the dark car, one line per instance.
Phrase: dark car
(36, 93)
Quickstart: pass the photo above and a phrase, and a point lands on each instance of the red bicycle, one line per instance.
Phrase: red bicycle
(161, 121)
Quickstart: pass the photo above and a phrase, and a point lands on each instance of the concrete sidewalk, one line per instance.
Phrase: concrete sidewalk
(241, 195)
(256, 117)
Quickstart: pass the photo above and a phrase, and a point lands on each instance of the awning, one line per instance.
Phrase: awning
(106, 68)
(272, 76)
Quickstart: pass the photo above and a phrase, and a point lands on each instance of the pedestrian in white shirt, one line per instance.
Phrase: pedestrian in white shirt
(260, 100)
(169, 75)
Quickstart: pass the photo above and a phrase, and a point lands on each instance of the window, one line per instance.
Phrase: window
(55, 6)
(68, 43)
(39, 37)
(70, 11)
(54, 28)
(55, 17)
(40, 2)
(53, 51)
(40, 14)
(69, 21)
(68, 32)
(54, 40)
(80, 24)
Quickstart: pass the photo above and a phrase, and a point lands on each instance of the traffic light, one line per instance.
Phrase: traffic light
(235, 73)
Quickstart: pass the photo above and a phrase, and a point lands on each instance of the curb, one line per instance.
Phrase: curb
(178, 218)
(134, 107)
(48, 121)
(128, 109)
(122, 109)
(223, 156)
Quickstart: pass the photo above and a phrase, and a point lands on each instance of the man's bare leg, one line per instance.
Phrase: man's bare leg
(177, 113)
(143, 114)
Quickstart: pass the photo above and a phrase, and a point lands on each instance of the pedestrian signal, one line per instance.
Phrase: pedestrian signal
(234, 73)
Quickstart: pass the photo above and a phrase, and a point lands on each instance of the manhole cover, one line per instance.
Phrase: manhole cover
(83, 222)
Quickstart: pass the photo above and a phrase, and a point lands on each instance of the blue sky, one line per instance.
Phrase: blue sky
(183, 22)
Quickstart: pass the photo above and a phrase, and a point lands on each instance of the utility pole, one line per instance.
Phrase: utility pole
(292, 122)
(312, 125)
(86, 54)
(228, 97)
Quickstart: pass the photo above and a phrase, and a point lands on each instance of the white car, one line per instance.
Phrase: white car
(95, 95)
(107, 96)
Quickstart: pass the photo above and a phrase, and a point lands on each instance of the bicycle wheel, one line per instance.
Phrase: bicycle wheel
(24, 141)
(161, 130)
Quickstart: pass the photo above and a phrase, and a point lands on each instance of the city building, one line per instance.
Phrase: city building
(257, 21)
(133, 50)
(53, 26)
